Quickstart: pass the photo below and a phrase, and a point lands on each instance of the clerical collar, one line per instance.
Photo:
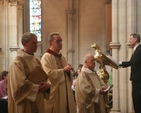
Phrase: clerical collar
(28, 53)
(87, 70)
(53, 53)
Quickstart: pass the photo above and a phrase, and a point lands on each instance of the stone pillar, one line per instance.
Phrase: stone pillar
(3, 35)
(116, 109)
(26, 19)
(13, 29)
(70, 27)
(129, 88)
(0, 23)
(123, 24)
(131, 28)
(115, 46)
(19, 21)
(122, 31)
(13, 25)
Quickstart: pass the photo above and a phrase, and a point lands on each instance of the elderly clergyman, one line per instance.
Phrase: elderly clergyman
(90, 89)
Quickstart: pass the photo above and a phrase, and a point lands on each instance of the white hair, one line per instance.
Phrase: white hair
(86, 58)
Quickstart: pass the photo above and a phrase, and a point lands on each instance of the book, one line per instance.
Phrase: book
(38, 75)
(111, 58)
(112, 62)
(109, 87)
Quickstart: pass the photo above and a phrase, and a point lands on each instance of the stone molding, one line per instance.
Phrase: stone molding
(109, 1)
(12, 0)
(14, 48)
(70, 51)
(70, 11)
(114, 45)
(128, 45)
(20, 1)
(1, 1)
(20, 4)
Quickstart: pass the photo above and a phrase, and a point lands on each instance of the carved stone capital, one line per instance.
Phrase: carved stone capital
(12, 0)
(128, 45)
(14, 48)
(70, 51)
(109, 1)
(20, 4)
(1, 1)
(70, 11)
(114, 45)
(16, 1)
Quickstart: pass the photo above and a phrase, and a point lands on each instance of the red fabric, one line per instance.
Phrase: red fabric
(53, 53)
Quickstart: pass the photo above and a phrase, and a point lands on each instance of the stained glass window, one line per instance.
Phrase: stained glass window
(35, 18)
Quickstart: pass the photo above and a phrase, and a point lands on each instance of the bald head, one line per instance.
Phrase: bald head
(87, 57)
(89, 61)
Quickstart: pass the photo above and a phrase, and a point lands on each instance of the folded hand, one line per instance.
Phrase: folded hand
(43, 86)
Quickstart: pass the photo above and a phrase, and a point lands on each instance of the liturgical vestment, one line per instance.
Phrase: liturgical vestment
(23, 95)
(61, 97)
(88, 98)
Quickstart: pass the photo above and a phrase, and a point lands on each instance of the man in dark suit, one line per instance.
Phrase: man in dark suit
(135, 63)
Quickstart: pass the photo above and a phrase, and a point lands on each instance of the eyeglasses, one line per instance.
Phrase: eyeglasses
(91, 60)
(58, 41)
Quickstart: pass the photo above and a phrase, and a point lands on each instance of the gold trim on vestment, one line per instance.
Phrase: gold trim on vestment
(91, 95)
(22, 90)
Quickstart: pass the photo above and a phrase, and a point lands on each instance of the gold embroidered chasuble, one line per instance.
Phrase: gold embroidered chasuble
(61, 97)
(23, 95)
(88, 99)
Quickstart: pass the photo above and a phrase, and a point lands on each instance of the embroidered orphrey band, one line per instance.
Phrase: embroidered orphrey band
(33, 105)
(96, 105)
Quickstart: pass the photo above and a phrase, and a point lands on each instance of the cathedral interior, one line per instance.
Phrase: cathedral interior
(81, 23)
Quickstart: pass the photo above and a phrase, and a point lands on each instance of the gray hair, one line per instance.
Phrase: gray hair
(50, 37)
(137, 36)
(27, 37)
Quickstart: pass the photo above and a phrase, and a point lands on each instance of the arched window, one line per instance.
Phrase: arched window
(35, 18)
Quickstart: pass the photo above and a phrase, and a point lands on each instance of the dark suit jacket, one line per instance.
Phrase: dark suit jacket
(135, 63)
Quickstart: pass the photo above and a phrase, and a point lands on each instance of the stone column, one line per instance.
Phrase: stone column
(13, 26)
(70, 50)
(131, 28)
(123, 24)
(1, 37)
(0, 23)
(123, 38)
(19, 22)
(26, 19)
(116, 109)
(129, 88)
(115, 45)
(13, 30)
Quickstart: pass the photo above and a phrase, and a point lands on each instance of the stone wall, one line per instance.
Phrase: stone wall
(80, 23)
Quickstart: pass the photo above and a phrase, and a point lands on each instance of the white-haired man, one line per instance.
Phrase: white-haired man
(89, 89)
